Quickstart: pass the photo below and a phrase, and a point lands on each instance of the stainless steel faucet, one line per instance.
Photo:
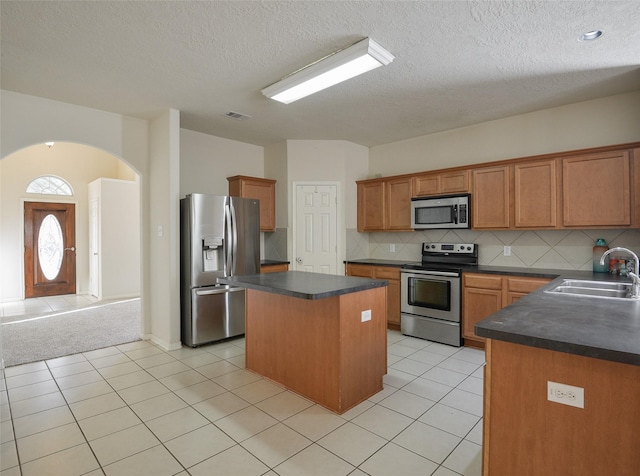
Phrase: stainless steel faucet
(635, 289)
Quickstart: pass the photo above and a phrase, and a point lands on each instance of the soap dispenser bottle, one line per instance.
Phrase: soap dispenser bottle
(598, 250)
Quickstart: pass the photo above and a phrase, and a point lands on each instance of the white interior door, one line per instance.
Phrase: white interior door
(94, 248)
(316, 228)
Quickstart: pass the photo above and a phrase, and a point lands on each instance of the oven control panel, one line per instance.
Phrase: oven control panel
(450, 248)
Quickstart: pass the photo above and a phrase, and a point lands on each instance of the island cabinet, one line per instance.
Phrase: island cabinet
(384, 205)
(526, 434)
(322, 336)
(491, 198)
(261, 189)
(441, 183)
(596, 190)
(485, 294)
(392, 275)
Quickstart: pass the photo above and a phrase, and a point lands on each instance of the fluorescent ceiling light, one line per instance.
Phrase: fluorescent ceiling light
(358, 58)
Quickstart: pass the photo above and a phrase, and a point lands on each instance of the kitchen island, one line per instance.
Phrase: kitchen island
(589, 343)
(322, 336)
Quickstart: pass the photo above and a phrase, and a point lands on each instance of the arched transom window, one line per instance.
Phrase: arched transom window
(49, 185)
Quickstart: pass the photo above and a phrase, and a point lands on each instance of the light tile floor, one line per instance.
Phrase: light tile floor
(136, 409)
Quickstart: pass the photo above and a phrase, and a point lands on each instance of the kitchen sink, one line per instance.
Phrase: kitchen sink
(597, 289)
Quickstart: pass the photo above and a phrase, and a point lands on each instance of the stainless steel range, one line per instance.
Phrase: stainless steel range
(430, 300)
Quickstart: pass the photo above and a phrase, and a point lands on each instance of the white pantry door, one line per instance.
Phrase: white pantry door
(316, 229)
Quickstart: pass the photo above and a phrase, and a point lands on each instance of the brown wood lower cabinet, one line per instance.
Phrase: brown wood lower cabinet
(274, 268)
(390, 274)
(485, 294)
(525, 434)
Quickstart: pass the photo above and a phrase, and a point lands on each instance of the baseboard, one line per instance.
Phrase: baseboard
(165, 345)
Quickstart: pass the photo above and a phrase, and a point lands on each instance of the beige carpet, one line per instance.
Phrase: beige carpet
(33, 338)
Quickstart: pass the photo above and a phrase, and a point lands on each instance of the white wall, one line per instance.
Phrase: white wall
(206, 161)
(164, 243)
(327, 161)
(605, 121)
(75, 163)
(119, 237)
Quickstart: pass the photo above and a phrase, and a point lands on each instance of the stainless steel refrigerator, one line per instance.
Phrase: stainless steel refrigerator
(219, 236)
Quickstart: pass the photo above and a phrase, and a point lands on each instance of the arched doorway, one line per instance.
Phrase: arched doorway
(79, 165)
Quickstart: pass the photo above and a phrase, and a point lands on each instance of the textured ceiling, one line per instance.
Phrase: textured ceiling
(456, 63)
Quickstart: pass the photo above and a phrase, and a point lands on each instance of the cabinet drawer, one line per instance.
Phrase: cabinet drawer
(387, 273)
(483, 281)
(525, 285)
(360, 270)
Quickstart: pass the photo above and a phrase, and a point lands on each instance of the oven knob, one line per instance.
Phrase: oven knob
(468, 248)
(433, 246)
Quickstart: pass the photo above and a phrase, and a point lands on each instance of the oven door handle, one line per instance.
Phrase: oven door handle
(435, 273)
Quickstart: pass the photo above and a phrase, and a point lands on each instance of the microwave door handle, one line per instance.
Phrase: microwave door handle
(455, 214)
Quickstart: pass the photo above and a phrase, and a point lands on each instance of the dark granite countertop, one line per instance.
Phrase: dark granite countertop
(301, 284)
(593, 327)
(272, 262)
(607, 329)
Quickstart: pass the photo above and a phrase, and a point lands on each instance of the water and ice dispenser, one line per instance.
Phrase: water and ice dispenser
(212, 253)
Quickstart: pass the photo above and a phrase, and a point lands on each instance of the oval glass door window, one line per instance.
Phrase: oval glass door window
(50, 247)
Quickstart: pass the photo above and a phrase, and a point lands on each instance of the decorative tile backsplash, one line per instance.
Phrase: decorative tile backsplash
(275, 244)
(558, 249)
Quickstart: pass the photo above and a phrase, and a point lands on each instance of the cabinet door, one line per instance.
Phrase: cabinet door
(428, 184)
(392, 275)
(476, 305)
(259, 189)
(371, 212)
(454, 182)
(398, 204)
(361, 270)
(393, 302)
(596, 190)
(535, 194)
(490, 200)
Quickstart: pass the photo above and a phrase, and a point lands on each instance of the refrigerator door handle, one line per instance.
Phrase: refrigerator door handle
(234, 241)
(208, 292)
(228, 225)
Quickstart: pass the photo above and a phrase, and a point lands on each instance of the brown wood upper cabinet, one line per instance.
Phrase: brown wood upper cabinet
(384, 204)
(398, 204)
(371, 216)
(596, 190)
(441, 183)
(535, 194)
(261, 189)
(491, 198)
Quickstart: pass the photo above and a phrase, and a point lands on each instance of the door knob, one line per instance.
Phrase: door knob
(73, 248)
(299, 259)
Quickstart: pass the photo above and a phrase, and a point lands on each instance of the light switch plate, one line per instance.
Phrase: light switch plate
(365, 315)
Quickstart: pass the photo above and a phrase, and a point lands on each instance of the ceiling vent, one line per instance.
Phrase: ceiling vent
(237, 116)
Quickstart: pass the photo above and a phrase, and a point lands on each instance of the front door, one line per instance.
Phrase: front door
(49, 249)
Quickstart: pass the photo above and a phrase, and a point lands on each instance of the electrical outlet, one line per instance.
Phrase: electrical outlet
(506, 251)
(392, 247)
(365, 315)
(565, 394)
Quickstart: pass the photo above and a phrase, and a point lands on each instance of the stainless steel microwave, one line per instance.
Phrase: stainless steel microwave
(445, 211)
